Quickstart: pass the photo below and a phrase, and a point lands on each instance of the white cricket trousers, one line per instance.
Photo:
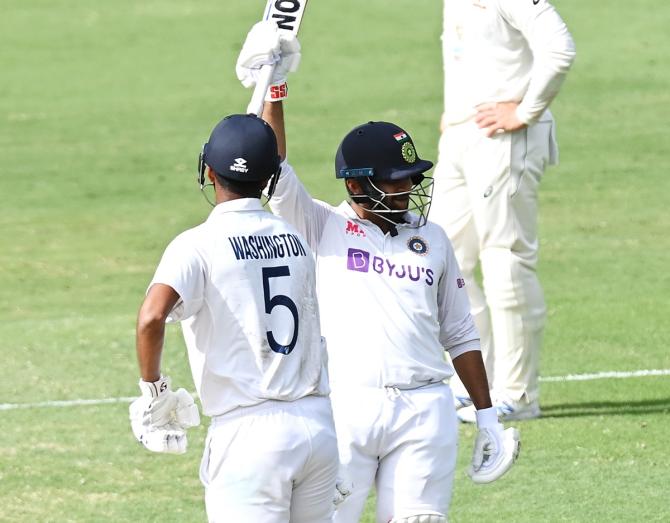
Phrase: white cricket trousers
(403, 441)
(275, 462)
(486, 199)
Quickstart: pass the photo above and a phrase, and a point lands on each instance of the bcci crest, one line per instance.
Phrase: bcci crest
(408, 152)
(418, 245)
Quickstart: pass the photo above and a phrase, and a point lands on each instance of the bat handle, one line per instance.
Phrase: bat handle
(258, 97)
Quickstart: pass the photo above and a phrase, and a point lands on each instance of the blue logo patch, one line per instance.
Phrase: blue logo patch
(417, 245)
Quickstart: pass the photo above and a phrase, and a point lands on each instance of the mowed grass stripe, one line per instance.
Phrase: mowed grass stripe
(547, 379)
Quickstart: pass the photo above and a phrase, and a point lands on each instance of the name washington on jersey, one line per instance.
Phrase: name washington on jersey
(264, 247)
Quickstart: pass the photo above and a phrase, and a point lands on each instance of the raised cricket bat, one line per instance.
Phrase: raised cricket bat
(288, 16)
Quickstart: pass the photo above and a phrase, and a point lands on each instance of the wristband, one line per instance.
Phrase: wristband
(487, 418)
(153, 389)
(277, 92)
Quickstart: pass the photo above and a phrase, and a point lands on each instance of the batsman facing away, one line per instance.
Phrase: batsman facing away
(247, 304)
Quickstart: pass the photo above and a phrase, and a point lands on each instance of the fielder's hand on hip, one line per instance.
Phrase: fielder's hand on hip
(495, 449)
(159, 418)
(266, 44)
(498, 117)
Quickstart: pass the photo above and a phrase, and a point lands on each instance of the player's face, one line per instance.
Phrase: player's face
(397, 193)
(387, 201)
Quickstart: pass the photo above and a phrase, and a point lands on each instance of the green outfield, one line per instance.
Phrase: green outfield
(103, 109)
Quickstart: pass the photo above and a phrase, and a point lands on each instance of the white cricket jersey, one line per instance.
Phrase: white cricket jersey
(248, 308)
(502, 51)
(390, 305)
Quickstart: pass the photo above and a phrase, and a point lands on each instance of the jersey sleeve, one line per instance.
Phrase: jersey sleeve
(292, 202)
(182, 269)
(553, 51)
(458, 333)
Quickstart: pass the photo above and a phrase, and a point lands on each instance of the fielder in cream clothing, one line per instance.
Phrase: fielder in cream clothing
(504, 62)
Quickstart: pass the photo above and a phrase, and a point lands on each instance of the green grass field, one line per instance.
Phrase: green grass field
(103, 109)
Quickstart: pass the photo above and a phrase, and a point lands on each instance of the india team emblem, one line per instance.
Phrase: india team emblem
(418, 245)
(408, 152)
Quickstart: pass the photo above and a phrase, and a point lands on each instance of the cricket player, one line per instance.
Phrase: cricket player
(242, 284)
(392, 300)
(504, 62)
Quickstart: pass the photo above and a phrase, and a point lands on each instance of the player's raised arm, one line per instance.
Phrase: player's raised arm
(265, 44)
(273, 113)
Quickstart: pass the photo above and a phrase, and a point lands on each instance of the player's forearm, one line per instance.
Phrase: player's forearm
(543, 88)
(273, 114)
(470, 369)
(151, 319)
(149, 340)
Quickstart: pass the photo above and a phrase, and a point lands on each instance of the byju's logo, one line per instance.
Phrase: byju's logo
(240, 166)
(358, 260)
(361, 261)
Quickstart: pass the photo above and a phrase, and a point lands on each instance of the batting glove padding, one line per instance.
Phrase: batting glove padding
(267, 45)
(495, 449)
(160, 417)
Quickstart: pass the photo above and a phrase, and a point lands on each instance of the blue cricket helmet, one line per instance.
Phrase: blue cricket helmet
(381, 151)
(241, 147)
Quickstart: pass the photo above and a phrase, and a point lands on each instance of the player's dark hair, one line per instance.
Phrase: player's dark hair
(241, 189)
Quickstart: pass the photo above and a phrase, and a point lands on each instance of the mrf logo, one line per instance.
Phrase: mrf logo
(354, 229)
(358, 260)
(286, 13)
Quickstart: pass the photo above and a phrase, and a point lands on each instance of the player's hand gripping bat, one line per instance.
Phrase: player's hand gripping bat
(288, 15)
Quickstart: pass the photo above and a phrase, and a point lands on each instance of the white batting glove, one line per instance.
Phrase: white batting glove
(495, 449)
(159, 418)
(266, 44)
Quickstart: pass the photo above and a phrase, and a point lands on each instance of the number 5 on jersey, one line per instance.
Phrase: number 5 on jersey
(279, 300)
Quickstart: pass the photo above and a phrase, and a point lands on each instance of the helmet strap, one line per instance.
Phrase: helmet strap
(272, 185)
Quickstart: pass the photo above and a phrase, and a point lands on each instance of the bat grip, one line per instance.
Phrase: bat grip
(258, 97)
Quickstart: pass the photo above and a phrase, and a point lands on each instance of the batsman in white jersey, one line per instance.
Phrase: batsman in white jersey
(392, 300)
(243, 286)
(504, 62)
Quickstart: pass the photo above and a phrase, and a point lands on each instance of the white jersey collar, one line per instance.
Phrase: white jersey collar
(241, 204)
